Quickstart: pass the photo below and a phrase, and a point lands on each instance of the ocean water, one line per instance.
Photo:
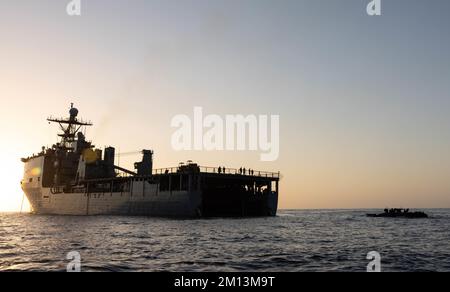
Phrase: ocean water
(315, 240)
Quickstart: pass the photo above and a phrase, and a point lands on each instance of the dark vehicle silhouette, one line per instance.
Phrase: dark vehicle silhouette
(399, 213)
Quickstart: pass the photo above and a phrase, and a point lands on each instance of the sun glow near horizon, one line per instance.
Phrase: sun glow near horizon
(11, 172)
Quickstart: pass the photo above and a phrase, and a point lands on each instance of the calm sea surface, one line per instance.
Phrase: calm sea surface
(331, 240)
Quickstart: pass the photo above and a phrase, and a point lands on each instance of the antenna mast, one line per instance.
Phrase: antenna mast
(70, 127)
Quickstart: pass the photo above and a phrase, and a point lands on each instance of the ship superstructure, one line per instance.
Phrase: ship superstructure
(74, 178)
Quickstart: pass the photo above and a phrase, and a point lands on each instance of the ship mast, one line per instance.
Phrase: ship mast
(70, 128)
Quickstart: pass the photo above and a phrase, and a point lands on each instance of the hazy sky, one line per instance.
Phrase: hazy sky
(364, 102)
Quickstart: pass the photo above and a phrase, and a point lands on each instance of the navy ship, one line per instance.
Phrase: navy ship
(74, 178)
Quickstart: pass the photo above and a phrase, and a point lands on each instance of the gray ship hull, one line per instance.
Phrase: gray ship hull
(182, 204)
(148, 203)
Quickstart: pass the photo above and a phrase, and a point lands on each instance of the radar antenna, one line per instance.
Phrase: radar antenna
(70, 127)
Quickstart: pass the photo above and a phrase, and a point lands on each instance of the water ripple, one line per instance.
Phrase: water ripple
(312, 240)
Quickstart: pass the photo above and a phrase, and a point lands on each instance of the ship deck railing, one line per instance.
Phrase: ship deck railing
(210, 170)
(215, 170)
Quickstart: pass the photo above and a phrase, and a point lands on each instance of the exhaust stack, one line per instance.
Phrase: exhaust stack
(145, 167)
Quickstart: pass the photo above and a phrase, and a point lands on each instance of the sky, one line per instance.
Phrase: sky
(364, 101)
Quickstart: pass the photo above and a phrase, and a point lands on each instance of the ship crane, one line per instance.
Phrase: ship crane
(134, 153)
(126, 154)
